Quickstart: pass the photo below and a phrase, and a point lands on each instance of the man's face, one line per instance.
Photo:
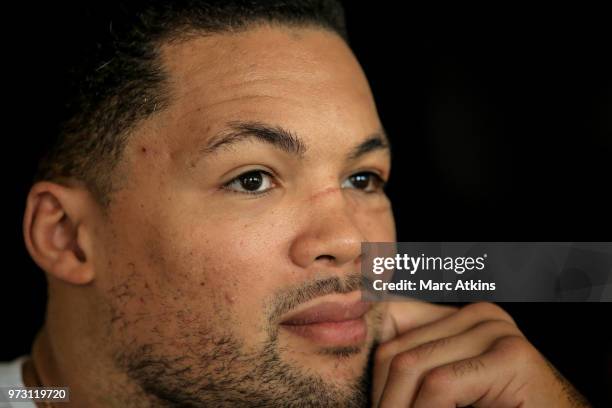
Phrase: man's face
(224, 287)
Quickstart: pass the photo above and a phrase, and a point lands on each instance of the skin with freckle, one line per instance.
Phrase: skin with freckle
(189, 311)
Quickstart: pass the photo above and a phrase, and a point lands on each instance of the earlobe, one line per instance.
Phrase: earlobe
(55, 234)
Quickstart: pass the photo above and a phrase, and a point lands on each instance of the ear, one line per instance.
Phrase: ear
(57, 229)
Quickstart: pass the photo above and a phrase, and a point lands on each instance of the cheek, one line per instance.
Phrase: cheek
(222, 258)
(375, 220)
(222, 270)
(181, 283)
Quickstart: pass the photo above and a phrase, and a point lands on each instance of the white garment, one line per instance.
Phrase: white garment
(11, 376)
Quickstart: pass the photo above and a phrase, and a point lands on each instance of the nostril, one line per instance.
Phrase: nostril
(326, 257)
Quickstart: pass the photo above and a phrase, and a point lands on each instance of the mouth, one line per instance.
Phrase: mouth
(330, 323)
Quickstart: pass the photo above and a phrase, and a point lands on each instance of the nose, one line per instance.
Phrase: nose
(330, 233)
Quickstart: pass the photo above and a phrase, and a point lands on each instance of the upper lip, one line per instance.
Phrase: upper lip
(329, 312)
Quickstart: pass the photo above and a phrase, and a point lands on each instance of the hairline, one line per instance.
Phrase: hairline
(176, 35)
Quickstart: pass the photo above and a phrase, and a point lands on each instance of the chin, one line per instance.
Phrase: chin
(338, 363)
(338, 353)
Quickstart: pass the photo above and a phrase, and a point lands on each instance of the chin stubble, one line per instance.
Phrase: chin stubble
(226, 377)
(216, 369)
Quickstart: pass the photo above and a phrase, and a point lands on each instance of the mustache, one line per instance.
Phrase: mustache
(289, 299)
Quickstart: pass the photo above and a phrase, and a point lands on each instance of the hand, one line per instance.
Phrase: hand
(440, 356)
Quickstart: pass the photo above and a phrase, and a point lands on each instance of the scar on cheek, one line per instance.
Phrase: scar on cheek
(325, 192)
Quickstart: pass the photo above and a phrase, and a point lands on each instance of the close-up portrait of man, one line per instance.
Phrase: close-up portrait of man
(199, 219)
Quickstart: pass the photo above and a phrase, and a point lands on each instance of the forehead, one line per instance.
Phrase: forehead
(303, 78)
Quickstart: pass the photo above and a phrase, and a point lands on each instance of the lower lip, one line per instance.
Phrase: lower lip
(332, 334)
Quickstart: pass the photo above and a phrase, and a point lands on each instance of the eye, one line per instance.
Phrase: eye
(251, 182)
(366, 181)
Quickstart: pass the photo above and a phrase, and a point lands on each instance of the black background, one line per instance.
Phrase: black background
(500, 120)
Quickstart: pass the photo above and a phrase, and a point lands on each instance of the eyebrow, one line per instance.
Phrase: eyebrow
(376, 141)
(283, 139)
(240, 131)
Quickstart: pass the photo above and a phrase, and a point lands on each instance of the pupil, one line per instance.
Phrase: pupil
(251, 181)
(361, 181)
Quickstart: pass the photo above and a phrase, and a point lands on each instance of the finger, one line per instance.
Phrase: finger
(452, 323)
(408, 368)
(449, 325)
(402, 316)
(487, 380)
(398, 318)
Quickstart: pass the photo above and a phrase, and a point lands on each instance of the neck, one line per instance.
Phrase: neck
(40, 355)
(44, 369)
(92, 384)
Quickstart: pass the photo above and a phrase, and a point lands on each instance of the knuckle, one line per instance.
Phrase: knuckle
(437, 380)
(488, 310)
(404, 362)
(384, 352)
(501, 327)
(412, 359)
(516, 346)
(485, 308)
(425, 350)
(416, 357)
(464, 367)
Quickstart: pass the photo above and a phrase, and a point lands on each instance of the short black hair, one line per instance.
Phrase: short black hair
(114, 78)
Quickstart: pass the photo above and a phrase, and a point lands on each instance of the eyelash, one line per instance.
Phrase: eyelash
(377, 180)
(236, 179)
